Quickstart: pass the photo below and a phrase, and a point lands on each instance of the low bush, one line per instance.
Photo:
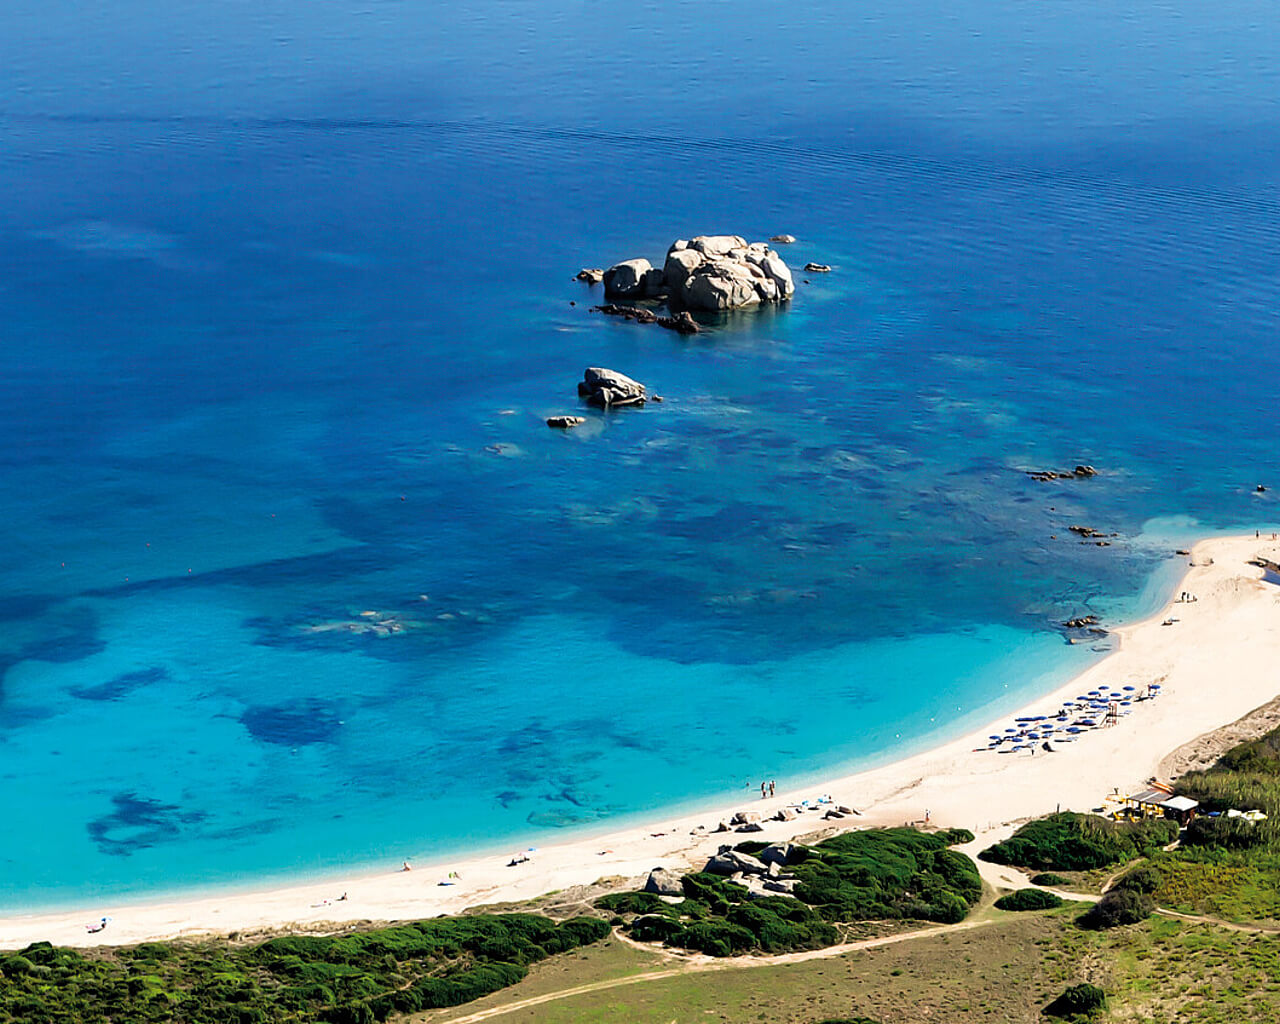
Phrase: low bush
(1227, 833)
(1118, 907)
(1078, 1001)
(882, 873)
(354, 978)
(1078, 842)
(1144, 878)
(1048, 878)
(1029, 899)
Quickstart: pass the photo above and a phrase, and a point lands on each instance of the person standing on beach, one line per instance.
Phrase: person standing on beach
(764, 790)
(771, 787)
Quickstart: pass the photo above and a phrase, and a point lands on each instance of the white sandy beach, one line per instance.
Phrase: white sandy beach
(1215, 664)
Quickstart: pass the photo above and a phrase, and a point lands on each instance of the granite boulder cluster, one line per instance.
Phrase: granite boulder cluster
(710, 273)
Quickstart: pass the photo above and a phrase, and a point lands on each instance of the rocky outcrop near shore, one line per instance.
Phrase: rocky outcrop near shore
(610, 389)
(709, 272)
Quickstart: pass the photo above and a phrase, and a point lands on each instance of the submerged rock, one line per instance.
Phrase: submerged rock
(1045, 475)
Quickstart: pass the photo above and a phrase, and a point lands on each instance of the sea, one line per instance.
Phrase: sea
(296, 581)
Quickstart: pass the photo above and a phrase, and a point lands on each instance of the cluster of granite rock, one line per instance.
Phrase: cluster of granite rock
(710, 272)
(607, 389)
(761, 875)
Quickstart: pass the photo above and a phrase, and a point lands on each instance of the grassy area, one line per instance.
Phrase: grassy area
(1170, 972)
(997, 972)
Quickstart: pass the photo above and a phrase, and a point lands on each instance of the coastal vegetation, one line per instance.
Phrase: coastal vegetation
(1083, 1000)
(1029, 899)
(879, 874)
(353, 978)
(1068, 841)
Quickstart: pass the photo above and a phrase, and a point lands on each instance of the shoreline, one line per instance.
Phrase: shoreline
(1212, 662)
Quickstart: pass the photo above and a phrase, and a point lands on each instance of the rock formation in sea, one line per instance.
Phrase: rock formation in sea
(610, 389)
(709, 272)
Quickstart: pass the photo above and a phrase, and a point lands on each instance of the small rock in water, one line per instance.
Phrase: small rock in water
(608, 388)
(817, 268)
(591, 275)
(565, 422)
(783, 239)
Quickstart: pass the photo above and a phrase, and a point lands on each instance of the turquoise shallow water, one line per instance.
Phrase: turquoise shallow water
(284, 318)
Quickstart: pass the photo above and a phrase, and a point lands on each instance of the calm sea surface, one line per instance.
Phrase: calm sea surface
(297, 580)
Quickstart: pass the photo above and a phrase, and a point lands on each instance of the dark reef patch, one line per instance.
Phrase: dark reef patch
(137, 823)
(122, 685)
(293, 725)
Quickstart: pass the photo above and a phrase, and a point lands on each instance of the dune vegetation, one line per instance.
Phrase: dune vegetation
(880, 874)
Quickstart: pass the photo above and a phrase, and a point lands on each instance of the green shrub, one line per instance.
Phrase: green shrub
(1078, 1001)
(1144, 878)
(1078, 842)
(716, 938)
(354, 978)
(880, 873)
(1227, 833)
(1118, 907)
(635, 903)
(1029, 899)
(1047, 878)
(652, 928)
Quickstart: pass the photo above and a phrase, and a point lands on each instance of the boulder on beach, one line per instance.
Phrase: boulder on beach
(777, 853)
(730, 862)
(609, 389)
(664, 882)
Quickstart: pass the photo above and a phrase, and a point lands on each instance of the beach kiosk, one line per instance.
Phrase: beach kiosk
(1181, 809)
(1150, 803)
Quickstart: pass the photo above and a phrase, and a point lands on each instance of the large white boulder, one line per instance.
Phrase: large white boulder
(717, 245)
(627, 280)
(719, 285)
(680, 264)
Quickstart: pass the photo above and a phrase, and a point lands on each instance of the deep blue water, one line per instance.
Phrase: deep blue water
(286, 297)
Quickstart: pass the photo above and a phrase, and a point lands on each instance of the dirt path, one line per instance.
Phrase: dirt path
(1217, 922)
